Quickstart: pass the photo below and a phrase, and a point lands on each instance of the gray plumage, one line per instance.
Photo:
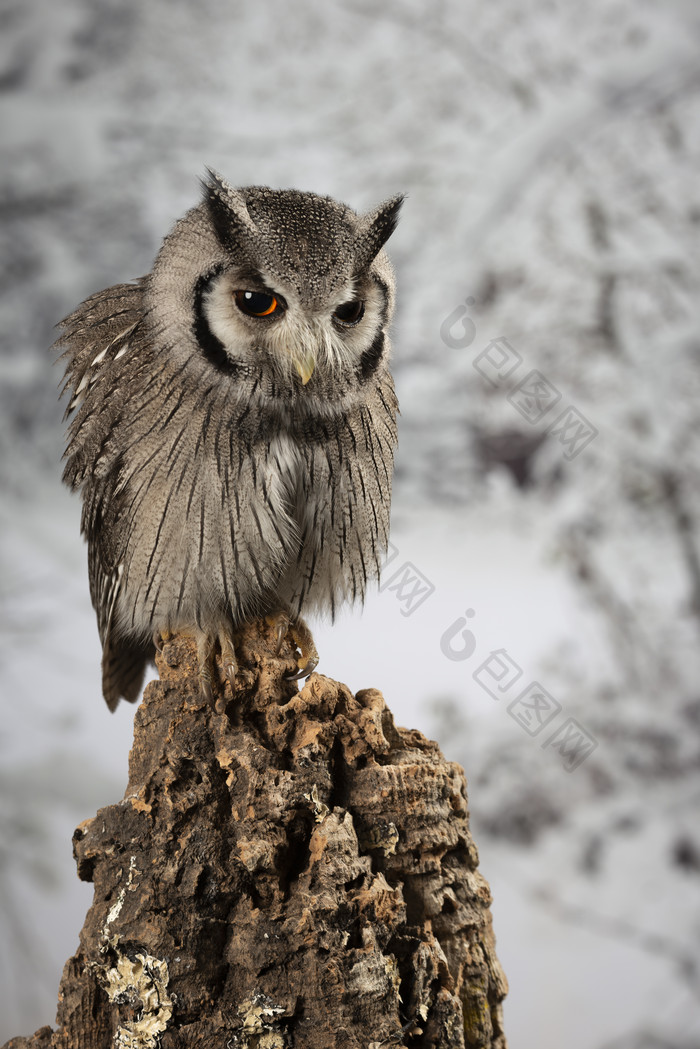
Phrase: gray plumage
(232, 464)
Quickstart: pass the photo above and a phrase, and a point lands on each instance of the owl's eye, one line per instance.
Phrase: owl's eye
(257, 303)
(350, 312)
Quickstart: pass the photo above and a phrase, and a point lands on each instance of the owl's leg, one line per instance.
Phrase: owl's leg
(302, 638)
(206, 645)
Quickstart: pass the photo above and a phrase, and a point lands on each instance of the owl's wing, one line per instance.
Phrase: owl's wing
(95, 337)
(123, 663)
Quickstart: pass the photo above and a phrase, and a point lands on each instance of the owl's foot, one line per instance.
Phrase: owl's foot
(160, 638)
(302, 638)
(308, 655)
(206, 647)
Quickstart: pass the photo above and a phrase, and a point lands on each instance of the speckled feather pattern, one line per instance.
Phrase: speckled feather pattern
(216, 486)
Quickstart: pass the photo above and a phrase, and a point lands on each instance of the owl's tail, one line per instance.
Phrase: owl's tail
(123, 669)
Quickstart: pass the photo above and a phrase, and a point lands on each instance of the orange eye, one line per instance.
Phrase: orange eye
(257, 303)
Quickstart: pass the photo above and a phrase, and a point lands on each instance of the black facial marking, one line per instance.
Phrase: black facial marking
(211, 347)
(370, 359)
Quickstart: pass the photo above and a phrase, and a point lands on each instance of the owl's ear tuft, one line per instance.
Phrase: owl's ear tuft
(228, 212)
(375, 228)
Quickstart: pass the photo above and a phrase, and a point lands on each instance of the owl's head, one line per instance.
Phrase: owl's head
(277, 282)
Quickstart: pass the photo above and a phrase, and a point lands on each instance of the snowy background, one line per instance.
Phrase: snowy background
(550, 153)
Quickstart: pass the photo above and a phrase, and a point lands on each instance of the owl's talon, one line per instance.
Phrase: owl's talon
(281, 633)
(160, 638)
(207, 692)
(301, 636)
(205, 658)
(280, 622)
(228, 659)
(308, 659)
(305, 671)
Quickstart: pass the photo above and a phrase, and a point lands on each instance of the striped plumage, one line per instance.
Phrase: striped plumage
(234, 464)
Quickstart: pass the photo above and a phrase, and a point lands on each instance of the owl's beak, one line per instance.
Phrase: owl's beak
(305, 366)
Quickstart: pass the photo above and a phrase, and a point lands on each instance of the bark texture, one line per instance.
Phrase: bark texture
(289, 870)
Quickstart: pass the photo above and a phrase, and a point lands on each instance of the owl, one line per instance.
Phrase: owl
(233, 426)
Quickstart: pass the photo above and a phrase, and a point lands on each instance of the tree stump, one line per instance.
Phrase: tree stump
(288, 870)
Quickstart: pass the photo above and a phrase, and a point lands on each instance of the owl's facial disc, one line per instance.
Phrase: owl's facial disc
(252, 318)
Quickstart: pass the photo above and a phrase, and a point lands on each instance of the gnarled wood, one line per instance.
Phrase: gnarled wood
(292, 870)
